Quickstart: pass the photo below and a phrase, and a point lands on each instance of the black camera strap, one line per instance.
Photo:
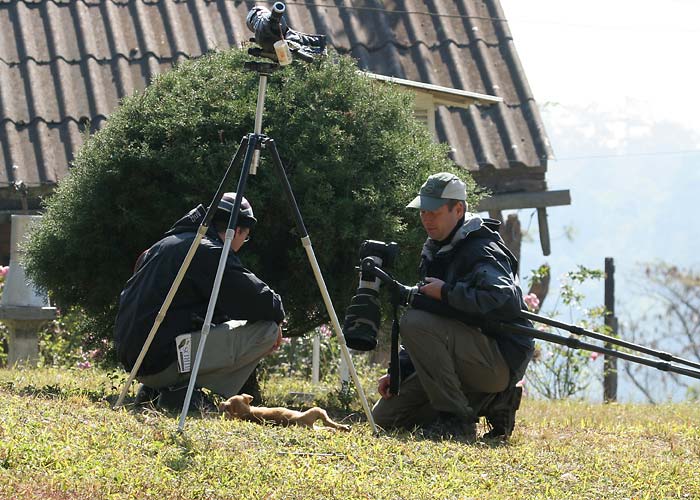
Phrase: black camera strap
(395, 365)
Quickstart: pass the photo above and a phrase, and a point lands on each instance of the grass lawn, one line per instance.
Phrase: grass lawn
(60, 439)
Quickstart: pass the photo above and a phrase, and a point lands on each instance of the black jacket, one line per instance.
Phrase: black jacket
(480, 276)
(242, 295)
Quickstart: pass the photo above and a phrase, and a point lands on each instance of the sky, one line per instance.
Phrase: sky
(616, 83)
(612, 53)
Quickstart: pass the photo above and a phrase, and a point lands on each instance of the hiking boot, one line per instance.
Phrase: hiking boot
(452, 426)
(145, 395)
(500, 413)
(173, 399)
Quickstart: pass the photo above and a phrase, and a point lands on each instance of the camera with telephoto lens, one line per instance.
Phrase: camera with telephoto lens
(270, 26)
(363, 315)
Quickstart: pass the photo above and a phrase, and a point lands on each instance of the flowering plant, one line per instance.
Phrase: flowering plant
(558, 372)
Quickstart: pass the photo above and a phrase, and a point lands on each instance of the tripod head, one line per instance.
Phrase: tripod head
(280, 44)
(260, 67)
(401, 295)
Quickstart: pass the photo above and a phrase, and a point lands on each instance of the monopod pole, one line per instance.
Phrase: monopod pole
(181, 272)
(606, 338)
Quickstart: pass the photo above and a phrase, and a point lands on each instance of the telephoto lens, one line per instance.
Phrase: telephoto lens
(268, 26)
(363, 315)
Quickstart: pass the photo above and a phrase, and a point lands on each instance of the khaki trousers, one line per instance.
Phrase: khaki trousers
(456, 366)
(231, 353)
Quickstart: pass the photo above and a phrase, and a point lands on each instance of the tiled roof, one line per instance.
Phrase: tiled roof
(64, 65)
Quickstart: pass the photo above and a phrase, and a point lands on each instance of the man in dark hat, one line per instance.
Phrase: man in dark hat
(247, 316)
(453, 372)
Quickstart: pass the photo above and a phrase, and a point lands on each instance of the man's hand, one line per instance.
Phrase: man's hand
(383, 387)
(278, 341)
(432, 288)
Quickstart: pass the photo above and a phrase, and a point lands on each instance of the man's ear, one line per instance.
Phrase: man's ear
(248, 398)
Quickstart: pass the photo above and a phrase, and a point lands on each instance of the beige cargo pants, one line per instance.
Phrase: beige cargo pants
(455, 366)
(231, 353)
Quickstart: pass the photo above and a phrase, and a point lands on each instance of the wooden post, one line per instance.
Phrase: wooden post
(610, 363)
(509, 230)
(512, 235)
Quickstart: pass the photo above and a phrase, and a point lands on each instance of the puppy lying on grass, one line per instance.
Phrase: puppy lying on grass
(239, 407)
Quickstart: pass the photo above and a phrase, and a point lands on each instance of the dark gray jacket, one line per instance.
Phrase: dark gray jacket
(480, 275)
(242, 295)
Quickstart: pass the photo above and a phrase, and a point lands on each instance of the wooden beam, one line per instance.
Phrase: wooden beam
(443, 95)
(514, 201)
(539, 200)
(544, 230)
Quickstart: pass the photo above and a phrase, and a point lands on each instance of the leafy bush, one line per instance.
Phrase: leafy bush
(353, 152)
(71, 341)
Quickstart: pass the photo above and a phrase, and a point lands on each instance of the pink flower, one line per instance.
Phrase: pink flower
(325, 330)
(594, 356)
(532, 301)
(83, 365)
(4, 270)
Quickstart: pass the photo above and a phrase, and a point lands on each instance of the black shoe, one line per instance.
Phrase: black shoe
(452, 426)
(500, 414)
(174, 399)
(145, 395)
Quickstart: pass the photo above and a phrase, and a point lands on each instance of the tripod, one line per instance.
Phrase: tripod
(252, 144)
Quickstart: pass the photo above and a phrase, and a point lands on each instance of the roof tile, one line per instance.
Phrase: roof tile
(67, 63)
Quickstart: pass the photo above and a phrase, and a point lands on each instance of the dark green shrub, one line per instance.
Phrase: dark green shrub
(354, 157)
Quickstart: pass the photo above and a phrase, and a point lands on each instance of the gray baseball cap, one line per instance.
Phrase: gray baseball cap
(438, 190)
(245, 214)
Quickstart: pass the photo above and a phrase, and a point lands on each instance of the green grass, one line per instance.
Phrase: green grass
(60, 439)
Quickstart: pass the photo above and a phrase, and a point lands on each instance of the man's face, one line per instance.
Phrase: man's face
(241, 235)
(440, 223)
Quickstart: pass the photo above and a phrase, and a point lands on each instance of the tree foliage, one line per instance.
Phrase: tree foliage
(353, 153)
(670, 322)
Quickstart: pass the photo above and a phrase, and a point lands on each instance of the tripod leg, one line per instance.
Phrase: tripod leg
(306, 243)
(181, 272)
(253, 141)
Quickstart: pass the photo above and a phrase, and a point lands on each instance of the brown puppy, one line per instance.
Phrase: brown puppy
(239, 407)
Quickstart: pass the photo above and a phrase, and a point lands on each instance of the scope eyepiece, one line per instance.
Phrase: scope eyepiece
(277, 10)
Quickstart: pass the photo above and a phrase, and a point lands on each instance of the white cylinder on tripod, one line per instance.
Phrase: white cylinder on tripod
(284, 55)
(316, 358)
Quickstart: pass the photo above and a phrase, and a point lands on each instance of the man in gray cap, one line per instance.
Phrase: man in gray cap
(453, 372)
(247, 316)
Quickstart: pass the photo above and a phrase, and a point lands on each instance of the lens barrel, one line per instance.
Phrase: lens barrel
(277, 10)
